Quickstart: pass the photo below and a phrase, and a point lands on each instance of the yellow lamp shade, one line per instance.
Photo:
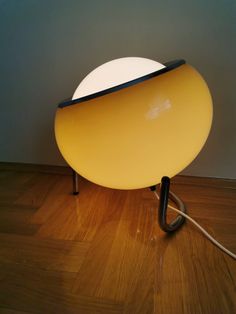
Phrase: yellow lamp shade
(131, 136)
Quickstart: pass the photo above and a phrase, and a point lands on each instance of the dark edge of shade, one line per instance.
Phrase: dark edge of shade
(169, 66)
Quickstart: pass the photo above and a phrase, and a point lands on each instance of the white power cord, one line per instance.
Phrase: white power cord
(203, 230)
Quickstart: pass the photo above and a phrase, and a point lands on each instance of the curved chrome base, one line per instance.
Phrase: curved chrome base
(165, 194)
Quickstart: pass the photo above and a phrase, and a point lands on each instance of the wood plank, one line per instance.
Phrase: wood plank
(205, 181)
(46, 254)
(55, 197)
(59, 214)
(11, 311)
(194, 277)
(98, 206)
(16, 219)
(131, 246)
(35, 290)
(12, 185)
(26, 167)
(91, 272)
(40, 186)
(210, 202)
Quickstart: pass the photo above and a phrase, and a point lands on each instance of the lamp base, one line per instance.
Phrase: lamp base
(75, 183)
(165, 194)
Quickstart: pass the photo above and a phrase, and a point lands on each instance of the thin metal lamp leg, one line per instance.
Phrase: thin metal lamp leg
(75, 183)
(165, 194)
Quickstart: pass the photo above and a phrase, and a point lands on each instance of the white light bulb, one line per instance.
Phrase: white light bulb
(115, 72)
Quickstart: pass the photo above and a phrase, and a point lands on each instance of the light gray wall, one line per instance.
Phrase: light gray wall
(48, 46)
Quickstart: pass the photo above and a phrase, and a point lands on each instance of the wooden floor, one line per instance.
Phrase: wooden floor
(103, 252)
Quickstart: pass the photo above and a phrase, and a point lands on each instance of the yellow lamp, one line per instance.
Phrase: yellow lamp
(133, 121)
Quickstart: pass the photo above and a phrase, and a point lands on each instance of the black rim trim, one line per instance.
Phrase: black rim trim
(169, 66)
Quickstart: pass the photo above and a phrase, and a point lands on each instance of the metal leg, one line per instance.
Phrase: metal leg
(75, 183)
(165, 194)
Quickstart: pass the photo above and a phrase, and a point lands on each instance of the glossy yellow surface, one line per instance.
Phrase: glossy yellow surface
(133, 137)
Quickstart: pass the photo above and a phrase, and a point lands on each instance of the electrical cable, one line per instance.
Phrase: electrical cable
(220, 246)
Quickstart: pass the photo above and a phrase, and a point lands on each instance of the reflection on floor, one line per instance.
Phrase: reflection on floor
(103, 252)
